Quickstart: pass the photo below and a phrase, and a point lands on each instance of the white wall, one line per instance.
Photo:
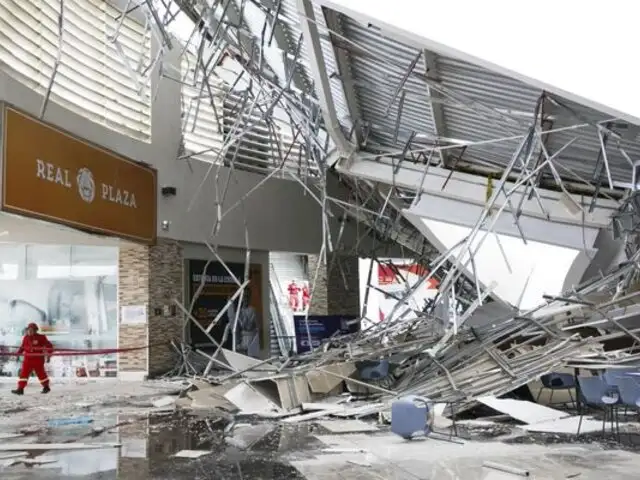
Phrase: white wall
(279, 216)
(529, 271)
(193, 251)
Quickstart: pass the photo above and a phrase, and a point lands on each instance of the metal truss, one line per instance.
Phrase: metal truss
(438, 354)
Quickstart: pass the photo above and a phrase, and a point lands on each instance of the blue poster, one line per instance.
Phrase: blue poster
(322, 327)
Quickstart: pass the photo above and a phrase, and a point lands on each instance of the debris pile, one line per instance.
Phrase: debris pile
(360, 374)
(453, 359)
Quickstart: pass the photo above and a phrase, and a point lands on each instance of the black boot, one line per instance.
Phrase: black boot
(18, 391)
(45, 389)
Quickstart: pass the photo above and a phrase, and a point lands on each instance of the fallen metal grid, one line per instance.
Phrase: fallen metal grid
(440, 358)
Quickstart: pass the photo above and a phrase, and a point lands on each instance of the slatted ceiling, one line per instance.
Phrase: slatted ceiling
(253, 148)
(123, 94)
(80, 39)
(92, 79)
(581, 156)
(263, 146)
(378, 65)
(197, 108)
(19, 32)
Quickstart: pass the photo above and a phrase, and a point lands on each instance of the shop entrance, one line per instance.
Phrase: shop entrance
(211, 286)
(68, 289)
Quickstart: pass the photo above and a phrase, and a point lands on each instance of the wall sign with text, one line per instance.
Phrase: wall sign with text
(51, 175)
(321, 328)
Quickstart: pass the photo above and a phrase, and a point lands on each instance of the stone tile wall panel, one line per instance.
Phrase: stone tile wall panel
(165, 286)
(335, 294)
(318, 305)
(152, 276)
(133, 289)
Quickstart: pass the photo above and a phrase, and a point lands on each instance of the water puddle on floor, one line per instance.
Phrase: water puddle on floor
(245, 450)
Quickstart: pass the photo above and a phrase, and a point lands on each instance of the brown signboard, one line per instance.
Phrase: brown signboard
(51, 175)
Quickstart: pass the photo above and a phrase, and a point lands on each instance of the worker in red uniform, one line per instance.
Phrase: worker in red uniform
(306, 295)
(294, 291)
(36, 349)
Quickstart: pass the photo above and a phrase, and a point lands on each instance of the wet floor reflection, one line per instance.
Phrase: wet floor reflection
(244, 450)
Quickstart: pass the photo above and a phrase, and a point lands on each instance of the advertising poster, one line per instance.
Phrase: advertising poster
(321, 327)
(394, 279)
(401, 274)
(219, 286)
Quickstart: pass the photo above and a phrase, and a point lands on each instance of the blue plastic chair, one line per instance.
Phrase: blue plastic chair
(557, 381)
(594, 391)
(629, 390)
(373, 370)
(614, 375)
(611, 375)
(411, 415)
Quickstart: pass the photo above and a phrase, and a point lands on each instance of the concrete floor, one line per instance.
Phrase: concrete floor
(149, 443)
(254, 450)
(389, 457)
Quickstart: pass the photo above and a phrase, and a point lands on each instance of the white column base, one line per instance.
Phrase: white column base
(140, 376)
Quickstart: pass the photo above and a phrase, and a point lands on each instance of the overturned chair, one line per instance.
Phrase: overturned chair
(412, 416)
(558, 382)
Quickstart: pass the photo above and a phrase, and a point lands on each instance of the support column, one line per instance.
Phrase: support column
(151, 276)
(337, 289)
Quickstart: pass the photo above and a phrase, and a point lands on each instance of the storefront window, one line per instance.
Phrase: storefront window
(71, 293)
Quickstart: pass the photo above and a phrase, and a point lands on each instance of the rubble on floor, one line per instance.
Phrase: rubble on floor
(488, 352)
(355, 377)
(179, 440)
(343, 390)
(472, 379)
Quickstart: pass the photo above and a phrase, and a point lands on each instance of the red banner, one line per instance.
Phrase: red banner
(389, 274)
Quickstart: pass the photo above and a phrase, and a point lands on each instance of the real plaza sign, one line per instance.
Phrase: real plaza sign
(85, 184)
(54, 176)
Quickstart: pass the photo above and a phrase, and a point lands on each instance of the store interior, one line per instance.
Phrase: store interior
(68, 288)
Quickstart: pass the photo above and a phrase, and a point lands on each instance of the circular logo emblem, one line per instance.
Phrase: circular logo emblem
(86, 185)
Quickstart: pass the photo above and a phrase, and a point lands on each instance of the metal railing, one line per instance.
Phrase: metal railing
(277, 286)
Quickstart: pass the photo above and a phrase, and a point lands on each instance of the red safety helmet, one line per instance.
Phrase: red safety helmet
(33, 326)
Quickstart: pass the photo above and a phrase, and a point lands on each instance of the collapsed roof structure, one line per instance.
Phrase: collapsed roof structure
(402, 139)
